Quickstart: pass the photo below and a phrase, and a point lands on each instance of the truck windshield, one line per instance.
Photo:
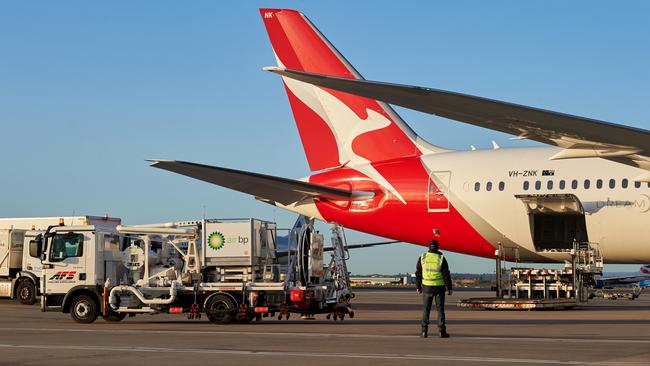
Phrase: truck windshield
(66, 246)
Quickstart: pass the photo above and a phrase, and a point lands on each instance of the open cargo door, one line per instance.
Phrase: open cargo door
(556, 221)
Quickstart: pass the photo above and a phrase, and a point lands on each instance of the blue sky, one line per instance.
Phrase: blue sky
(88, 90)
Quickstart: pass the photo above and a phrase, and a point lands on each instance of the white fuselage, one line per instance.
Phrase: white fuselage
(616, 218)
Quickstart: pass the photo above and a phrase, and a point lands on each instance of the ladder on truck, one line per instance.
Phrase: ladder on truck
(338, 270)
(586, 263)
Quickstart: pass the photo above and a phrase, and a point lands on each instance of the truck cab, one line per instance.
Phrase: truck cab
(20, 268)
(74, 262)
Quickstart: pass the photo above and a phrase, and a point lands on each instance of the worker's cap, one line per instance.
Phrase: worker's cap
(433, 244)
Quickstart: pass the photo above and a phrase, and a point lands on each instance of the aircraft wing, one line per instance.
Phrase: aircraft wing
(264, 187)
(622, 281)
(643, 276)
(578, 136)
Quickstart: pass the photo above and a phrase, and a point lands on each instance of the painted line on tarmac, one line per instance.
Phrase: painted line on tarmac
(318, 354)
(319, 335)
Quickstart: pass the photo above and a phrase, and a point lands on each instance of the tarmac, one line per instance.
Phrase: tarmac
(384, 331)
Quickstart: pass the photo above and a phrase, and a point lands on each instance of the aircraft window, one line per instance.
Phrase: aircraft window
(574, 184)
(549, 184)
(587, 183)
(612, 183)
(599, 183)
(637, 184)
(502, 186)
(562, 184)
(477, 186)
(624, 183)
(526, 185)
(648, 184)
(488, 186)
(538, 185)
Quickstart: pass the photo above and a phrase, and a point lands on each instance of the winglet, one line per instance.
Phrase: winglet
(157, 161)
(275, 69)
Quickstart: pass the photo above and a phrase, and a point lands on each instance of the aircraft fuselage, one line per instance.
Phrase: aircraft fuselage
(469, 202)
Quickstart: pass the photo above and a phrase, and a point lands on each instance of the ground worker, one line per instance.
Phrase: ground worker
(432, 279)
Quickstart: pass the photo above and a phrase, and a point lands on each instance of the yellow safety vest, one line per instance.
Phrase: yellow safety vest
(432, 269)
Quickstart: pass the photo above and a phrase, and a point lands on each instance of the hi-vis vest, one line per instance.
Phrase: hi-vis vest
(432, 269)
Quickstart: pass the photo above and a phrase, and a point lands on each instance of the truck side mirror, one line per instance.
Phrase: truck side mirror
(35, 248)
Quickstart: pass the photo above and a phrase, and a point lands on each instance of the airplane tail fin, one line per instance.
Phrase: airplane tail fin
(336, 128)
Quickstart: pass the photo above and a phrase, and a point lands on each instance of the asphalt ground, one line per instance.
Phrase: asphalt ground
(384, 331)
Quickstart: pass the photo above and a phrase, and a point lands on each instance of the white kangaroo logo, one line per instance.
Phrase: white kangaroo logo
(345, 125)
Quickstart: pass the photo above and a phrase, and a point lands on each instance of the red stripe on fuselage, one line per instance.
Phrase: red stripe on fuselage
(410, 222)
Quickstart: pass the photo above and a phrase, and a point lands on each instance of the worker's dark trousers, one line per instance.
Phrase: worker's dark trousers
(429, 293)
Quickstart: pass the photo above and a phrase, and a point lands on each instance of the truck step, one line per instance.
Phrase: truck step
(140, 310)
(5, 288)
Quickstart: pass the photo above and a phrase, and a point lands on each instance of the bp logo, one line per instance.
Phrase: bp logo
(216, 240)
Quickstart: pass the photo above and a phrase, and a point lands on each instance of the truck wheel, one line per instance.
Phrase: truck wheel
(221, 309)
(26, 292)
(84, 309)
(115, 317)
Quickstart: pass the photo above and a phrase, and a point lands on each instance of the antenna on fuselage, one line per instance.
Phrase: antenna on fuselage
(495, 146)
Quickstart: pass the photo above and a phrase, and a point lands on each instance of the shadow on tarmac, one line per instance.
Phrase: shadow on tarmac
(354, 322)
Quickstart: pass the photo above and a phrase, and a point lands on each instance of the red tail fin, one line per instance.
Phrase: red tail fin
(335, 128)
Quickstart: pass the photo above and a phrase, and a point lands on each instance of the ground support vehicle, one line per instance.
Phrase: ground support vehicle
(20, 269)
(630, 292)
(229, 270)
(527, 288)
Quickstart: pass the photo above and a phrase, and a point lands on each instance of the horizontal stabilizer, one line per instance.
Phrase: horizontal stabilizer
(365, 245)
(285, 252)
(265, 187)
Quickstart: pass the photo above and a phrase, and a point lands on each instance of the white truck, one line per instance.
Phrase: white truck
(20, 270)
(226, 269)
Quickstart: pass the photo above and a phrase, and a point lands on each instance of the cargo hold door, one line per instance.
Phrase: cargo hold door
(556, 221)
